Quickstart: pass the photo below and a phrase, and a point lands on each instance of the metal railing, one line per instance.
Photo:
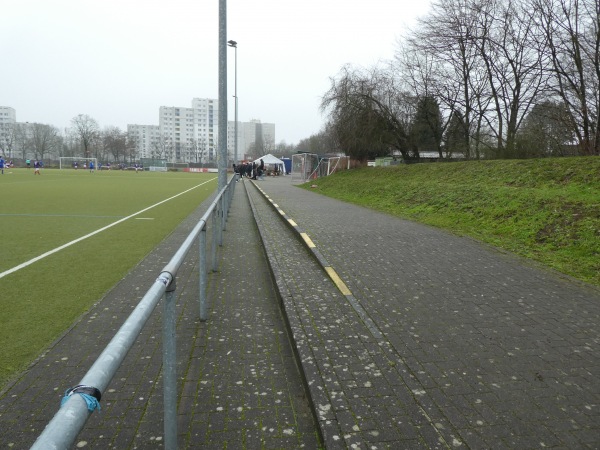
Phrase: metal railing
(67, 423)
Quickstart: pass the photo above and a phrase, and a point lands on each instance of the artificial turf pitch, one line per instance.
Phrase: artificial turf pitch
(111, 219)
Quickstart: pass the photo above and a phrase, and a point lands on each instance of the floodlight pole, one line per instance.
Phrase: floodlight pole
(235, 145)
(222, 148)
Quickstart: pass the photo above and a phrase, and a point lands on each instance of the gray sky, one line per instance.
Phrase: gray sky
(119, 60)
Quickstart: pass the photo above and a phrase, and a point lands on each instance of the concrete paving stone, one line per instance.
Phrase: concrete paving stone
(463, 319)
(473, 439)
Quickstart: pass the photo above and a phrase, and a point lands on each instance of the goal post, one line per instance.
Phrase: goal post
(304, 166)
(310, 166)
(154, 164)
(68, 162)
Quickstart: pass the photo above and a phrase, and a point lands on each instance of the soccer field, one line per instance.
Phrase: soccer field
(68, 236)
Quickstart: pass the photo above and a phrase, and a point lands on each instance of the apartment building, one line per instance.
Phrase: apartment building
(192, 134)
(144, 137)
(8, 115)
(256, 138)
(8, 118)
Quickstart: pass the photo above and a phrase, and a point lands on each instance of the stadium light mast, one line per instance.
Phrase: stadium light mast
(222, 149)
(235, 145)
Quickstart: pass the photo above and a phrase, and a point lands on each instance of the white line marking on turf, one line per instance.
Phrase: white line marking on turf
(61, 215)
(68, 244)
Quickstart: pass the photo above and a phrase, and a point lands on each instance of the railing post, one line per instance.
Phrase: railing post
(202, 269)
(225, 207)
(232, 191)
(170, 367)
(215, 231)
(222, 225)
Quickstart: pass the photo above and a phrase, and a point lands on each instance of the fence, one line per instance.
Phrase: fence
(67, 423)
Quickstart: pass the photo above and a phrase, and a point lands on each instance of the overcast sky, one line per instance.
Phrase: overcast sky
(118, 61)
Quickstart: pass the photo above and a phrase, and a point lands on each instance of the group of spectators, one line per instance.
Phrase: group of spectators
(250, 170)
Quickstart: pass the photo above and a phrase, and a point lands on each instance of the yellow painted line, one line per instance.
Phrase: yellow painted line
(275, 205)
(292, 223)
(281, 212)
(308, 240)
(337, 280)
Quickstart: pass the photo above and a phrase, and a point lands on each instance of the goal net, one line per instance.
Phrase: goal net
(74, 162)
(304, 166)
(331, 164)
(309, 166)
(154, 164)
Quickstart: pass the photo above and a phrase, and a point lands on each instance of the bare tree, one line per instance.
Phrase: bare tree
(368, 113)
(196, 148)
(513, 65)
(22, 139)
(450, 66)
(132, 149)
(572, 39)
(71, 143)
(423, 77)
(114, 142)
(87, 130)
(44, 140)
(162, 148)
(285, 149)
(7, 139)
(317, 143)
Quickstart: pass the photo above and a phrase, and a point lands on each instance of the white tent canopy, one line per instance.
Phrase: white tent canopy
(272, 161)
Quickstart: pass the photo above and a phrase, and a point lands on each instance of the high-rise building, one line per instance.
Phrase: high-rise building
(8, 115)
(192, 134)
(8, 118)
(256, 138)
(144, 137)
(176, 129)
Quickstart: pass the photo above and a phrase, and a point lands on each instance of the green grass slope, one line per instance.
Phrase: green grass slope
(544, 209)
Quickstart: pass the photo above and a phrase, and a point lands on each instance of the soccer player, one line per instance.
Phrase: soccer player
(2, 164)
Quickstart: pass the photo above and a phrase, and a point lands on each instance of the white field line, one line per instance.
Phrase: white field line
(100, 230)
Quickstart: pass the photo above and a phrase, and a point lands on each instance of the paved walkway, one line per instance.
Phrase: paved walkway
(462, 346)
(406, 337)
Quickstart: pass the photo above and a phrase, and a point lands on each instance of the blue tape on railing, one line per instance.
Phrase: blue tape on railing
(90, 394)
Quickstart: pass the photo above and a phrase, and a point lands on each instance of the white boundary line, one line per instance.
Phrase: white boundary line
(68, 244)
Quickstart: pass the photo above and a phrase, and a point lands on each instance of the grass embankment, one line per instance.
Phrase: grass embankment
(544, 209)
(40, 213)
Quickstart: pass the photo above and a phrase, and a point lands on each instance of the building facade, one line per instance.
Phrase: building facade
(8, 119)
(191, 135)
(254, 139)
(144, 137)
(183, 135)
(8, 115)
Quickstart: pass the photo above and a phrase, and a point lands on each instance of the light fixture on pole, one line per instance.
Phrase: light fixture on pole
(235, 146)
(222, 134)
